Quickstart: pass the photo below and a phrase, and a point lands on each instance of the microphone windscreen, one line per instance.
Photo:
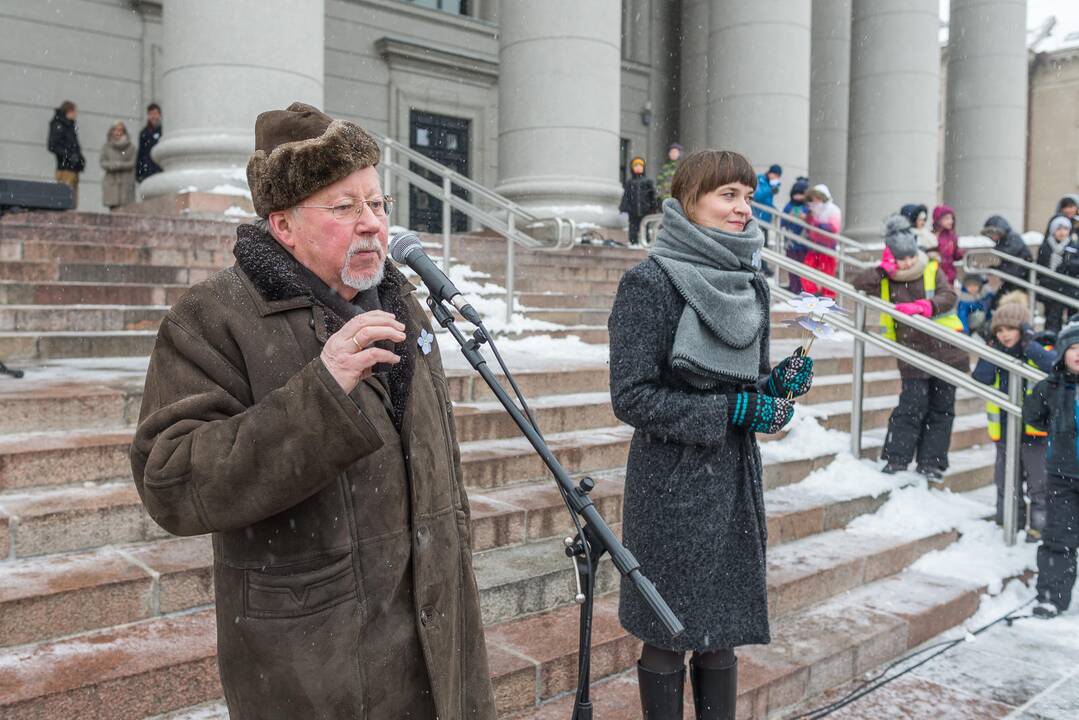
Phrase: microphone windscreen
(403, 244)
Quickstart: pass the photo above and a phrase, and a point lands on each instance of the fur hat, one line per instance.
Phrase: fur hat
(299, 151)
(1012, 311)
(899, 238)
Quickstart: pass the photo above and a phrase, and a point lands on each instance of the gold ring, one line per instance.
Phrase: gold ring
(358, 347)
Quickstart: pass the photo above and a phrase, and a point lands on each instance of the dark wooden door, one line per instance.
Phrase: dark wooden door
(446, 140)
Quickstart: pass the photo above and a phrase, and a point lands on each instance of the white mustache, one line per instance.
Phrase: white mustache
(366, 243)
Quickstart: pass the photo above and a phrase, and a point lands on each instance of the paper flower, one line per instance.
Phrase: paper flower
(812, 309)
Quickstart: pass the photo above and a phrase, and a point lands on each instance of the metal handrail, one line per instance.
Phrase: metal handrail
(1030, 283)
(1010, 404)
(508, 219)
(795, 220)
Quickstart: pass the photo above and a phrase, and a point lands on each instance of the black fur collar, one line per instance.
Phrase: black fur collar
(277, 275)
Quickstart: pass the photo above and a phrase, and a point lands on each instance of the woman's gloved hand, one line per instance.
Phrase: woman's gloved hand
(759, 412)
(791, 378)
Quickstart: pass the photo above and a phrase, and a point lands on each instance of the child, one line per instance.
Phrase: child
(638, 198)
(975, 299)
(1013, 335)
(796, 207)
(1059, 253)
(921, 425)
(823, 214)
(1051, 407)
(947, 242)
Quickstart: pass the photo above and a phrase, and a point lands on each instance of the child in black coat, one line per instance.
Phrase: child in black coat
(1052, 407)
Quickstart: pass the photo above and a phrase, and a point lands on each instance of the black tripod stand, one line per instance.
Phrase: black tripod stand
(592, 540)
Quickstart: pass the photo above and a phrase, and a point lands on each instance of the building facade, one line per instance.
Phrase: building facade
(546, 102)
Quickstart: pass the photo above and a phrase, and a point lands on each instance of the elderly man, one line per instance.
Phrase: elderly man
(291, 411)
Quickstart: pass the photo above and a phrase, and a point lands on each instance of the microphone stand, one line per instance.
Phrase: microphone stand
(595, 538)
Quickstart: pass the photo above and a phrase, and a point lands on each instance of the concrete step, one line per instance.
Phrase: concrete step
(65, 457)
(30, 346)
(592, 334)
(521, 580)
(80, 318)
(153, 233)
(31, 271)
(876, 410)
(812, 651)
(191, 256)
(554, 414)
(559, 300)
(92, 293)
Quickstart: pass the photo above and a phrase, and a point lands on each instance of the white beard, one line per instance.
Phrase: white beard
(362, 282)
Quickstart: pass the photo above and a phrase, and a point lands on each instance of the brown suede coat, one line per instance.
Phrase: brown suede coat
(342, 557)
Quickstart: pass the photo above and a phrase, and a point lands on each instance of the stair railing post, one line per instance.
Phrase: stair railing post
(1033, 299)
(446, 190)
(387, 170)
(511, 261)
(841, 261)
(1012, 453)
(857, 388)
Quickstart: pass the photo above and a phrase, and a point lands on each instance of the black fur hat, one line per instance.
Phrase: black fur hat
(299, 151)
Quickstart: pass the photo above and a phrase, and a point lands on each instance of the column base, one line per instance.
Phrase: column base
(588, 202)
(195, 204)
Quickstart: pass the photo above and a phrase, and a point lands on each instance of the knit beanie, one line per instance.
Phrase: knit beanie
(1059, 222)
(800, 186)
(776, 170)
(1012, 312)
(299, 151)
(1067, 337)
(899, 238)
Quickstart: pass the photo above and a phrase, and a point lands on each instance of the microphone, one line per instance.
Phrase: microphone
(405, 249)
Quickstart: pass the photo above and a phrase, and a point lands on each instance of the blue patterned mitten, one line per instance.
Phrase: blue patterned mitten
(791, 378)
(758, 412)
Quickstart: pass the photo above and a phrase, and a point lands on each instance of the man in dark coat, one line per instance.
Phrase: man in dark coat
(64, 144)
(145, 167)
(1010, 242)
(342, 552)
(638, 198)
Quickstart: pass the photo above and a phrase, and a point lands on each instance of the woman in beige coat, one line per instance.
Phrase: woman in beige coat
(118, 157)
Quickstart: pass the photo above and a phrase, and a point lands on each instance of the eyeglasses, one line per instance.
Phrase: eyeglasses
(348, 210)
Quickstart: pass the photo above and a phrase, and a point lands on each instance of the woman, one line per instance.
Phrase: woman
(918, 216)
(920, 426)
(1059, 253)
(823, 214)
(690, 372)
(947, 242)
(118, 158)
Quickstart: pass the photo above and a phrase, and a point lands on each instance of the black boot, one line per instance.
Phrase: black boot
(715, 691)
(661, 693)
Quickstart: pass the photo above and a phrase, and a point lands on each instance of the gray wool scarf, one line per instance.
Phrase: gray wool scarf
(716, 272)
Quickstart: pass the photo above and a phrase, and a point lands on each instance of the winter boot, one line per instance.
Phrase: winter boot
(661, 693)
(932, 474)
(1045, 611)
(715, 691)
(892, 468)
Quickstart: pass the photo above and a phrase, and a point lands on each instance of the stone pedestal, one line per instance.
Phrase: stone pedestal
(986, 120)
(894, 101)
(829, 96)
(758, 72)
(559, 105)
(224, 63)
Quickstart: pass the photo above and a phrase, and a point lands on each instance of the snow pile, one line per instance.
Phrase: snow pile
(980, 556)
(237, 211)
(916, 511)
(848, 477)
(536, 352)
(805, 438)
(230, 190)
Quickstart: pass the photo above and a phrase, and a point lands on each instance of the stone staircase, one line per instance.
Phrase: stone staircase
(103, 615)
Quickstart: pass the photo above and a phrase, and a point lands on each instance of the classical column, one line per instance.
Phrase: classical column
(894, 101)
(829, 96)
(986, 120)
(559, 107)
(693, 86)
(758, 73)
(224, 63)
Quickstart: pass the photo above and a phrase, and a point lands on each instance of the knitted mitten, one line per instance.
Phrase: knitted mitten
(758, 412)
(791, 378)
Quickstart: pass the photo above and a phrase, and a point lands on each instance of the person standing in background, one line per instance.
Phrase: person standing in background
(118, 162)
(64, 144)
(666, 173)
(825, 215)
(947, 242)
(1059, 252)
(918, 215)
(796, 207)
(638, 198)
(147, 139)
(1009, 242)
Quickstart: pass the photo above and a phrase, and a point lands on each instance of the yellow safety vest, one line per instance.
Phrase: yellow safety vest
(949, 320)
(992, 413)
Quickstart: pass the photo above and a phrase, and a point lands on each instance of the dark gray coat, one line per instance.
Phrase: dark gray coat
(694, 503)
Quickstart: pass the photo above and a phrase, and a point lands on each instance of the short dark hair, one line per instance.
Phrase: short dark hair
(705, 170)
(153, 106)
(1068, 202)
(67, 106)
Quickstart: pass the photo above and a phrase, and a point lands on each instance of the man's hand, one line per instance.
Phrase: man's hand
(348, 354)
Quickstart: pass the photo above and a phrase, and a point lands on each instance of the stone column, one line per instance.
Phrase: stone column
(894, 101)
(829, 96)
(224, 63)
(559, 107)
(758, 72)
(986, 121)
(693, 104)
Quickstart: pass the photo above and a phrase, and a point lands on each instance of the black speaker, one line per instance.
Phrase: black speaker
(29, 195)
